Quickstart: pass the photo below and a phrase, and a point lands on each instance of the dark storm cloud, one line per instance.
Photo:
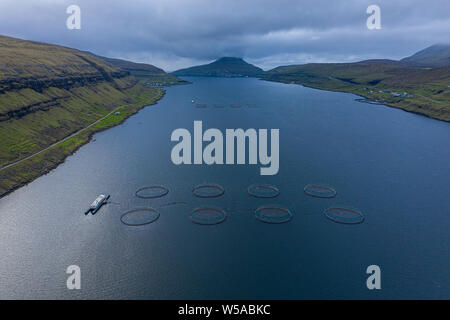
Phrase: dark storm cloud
(175, 34)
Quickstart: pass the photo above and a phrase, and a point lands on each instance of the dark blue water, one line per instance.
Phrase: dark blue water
(390, 164)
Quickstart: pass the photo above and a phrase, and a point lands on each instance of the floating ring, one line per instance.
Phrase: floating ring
(273, 214)
(208, 216)
(151, 216)
(208, 191)
(344, 215)
(319, 191)
(263, 191)
(162, 193)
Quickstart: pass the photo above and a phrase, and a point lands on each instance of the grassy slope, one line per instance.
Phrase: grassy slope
(437, 55)
(77, 108)
(20, 58)
(165, 79)
(146, 72)
(11, 178)
(431, 96)
(71, 106)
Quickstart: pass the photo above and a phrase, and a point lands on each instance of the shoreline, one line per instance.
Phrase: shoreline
(57, 143)
(362, 97)
(86, 134)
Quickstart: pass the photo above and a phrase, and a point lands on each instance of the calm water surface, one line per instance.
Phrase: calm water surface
(392, 165)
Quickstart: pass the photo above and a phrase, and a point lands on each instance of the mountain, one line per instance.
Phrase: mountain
(48, 93)
(223, 67)
(142, 71)
(28, 59)
(133, 66)
(437, 55)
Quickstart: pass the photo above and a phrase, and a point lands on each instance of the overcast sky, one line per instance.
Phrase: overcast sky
(178, 33)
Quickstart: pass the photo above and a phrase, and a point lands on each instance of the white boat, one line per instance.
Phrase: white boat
(98, 202)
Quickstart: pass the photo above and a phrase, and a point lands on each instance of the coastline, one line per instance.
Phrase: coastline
(363, 97)
(44, 162)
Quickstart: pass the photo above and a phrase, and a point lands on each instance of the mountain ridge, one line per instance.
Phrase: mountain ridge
(222, 67)
(437, 55)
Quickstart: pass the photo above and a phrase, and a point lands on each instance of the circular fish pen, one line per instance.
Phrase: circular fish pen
(208, 216)
(263, 191)
(273, 214)
(208, 191)
(319, 191)
(139, 217)
(152, 192)
(344, 215)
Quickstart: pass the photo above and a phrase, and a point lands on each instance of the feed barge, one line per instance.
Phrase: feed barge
(98, 202)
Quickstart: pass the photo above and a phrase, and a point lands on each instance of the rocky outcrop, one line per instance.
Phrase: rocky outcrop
(31, 108)
(66, 82)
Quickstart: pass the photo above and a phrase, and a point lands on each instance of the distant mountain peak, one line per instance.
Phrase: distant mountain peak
(231, 59)
(223, 67)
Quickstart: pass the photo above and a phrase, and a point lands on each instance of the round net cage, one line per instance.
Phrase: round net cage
(273, 214)
(139, 217)
(152, 192)
(208, 216)
(320, 191)
(208, 191)
(344, 215)
(263, 191)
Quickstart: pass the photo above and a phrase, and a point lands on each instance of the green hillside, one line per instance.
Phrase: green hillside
(223, 67)
(48, 93)
(412, 88)
(437, 55)
(142, 71)
(133, 66)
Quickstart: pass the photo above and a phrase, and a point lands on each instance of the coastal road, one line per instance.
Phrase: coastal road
(56, 143)
(429, 99)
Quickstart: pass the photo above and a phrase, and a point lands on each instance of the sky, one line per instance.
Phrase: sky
(173, 34)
